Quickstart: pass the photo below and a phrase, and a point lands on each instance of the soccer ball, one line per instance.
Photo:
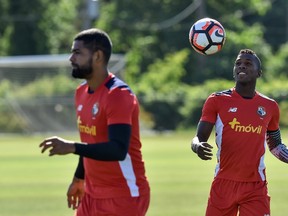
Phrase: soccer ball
(207, 36)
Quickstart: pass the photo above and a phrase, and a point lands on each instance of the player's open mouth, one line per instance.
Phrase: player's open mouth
(241, 73)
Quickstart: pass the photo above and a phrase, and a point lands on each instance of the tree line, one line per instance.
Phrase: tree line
(161, 66)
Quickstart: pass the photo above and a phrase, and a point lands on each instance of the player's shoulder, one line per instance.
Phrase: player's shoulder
(115, 83)
(266, 98)
(261, 95)
(223, 93)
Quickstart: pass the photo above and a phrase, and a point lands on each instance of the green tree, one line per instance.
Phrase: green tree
(139, 28)
(5, 29)
(37, 27)
(276, 66)
(150, 39)
(161, 66)
(159, 90)
(60, 22)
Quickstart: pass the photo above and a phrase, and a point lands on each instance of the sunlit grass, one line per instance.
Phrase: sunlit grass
(33, 184)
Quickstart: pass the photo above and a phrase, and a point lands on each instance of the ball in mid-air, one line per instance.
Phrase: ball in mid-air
(207, 36)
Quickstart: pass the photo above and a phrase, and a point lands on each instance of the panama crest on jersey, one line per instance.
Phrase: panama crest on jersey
(261, 111)
(80, 107)
(95, 109)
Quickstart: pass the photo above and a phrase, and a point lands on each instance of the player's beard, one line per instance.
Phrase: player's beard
(82, 72)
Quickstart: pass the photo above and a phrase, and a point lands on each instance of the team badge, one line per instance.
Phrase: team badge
(261, 111)
(80, 107)
(95, 109)
(232, 109)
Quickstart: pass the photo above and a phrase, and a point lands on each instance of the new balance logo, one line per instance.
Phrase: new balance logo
(232, 109)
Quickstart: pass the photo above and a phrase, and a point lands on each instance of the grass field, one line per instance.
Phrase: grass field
(32, 184)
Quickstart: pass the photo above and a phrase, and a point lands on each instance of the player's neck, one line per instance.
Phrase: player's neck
(246, 91)
(97, 79)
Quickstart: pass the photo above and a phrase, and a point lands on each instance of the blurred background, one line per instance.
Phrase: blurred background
(152, 54)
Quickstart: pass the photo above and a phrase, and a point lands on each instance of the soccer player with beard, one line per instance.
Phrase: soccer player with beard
(244, 119)
(110, 176)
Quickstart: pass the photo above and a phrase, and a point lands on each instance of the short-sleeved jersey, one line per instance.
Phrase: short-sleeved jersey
(111, 103)
(240, 133)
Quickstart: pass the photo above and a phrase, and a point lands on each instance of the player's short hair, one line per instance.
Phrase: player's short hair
(96, 39)
(251, 52)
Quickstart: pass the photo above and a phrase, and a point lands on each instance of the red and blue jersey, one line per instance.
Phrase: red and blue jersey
(240, 127)
(111, 103)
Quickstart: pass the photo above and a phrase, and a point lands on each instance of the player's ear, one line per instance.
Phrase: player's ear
(98, 56)
(95, 56)
(259, 73)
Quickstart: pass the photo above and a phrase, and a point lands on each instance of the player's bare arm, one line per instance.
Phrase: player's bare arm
(114, 150)
(75, 193)
(199, 143)
(276, 147)
(57, 146)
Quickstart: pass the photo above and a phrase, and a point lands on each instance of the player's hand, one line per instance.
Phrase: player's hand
(204, 151)
(75, 193)
(57, 145)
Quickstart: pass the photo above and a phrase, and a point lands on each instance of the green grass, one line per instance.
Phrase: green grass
(33, 184)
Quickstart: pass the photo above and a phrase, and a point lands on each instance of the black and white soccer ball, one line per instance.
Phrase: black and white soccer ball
(207, 36)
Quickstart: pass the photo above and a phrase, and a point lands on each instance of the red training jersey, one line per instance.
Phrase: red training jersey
(111, 103)
(240, 127)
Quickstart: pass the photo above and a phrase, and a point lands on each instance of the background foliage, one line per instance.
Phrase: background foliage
(171, 80)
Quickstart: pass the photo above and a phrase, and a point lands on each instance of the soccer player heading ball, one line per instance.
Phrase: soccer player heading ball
(110, 176)
(243, 118)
